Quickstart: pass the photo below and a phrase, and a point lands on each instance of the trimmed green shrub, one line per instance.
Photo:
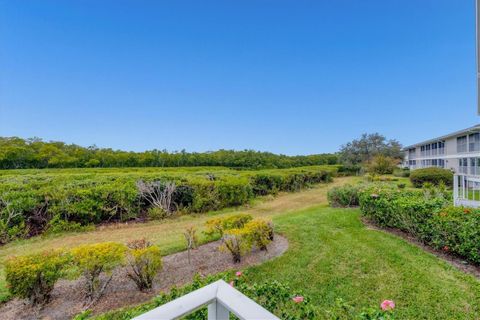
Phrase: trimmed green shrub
(428, 216)
(344, 196)
(93, 260)
(407, 210)
(457, 230)
(432, 175)
(237, 242)
(33, 276)
(260, 232)
(144, 262)
(217, 226)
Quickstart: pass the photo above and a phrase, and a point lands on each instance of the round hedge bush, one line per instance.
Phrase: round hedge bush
(432, 175)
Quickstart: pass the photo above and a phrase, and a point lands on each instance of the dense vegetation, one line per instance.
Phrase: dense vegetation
(17, 153)
(33, 201)
(427, 215)
(431, 175)
(363, 150)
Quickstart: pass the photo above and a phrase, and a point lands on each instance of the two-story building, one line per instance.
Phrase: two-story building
(458, 151)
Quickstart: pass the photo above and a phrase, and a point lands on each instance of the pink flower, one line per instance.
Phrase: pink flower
(387, 305)
(297, 299)
(238, 274)
(232, 284)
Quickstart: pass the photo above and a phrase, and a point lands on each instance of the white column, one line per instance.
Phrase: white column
(217, 312)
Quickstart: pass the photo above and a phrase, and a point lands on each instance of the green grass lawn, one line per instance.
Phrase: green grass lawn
(333, 255)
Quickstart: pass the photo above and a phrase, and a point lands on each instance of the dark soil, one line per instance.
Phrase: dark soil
(455, 261)
(68, 296)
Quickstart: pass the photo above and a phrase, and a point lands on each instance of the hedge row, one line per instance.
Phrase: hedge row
(431, 219)
(431, 175)
(33, 201)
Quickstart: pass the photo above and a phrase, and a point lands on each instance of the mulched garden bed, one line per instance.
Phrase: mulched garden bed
(67, 297)
(455, 261)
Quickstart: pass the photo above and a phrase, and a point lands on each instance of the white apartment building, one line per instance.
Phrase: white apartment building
(458, 151)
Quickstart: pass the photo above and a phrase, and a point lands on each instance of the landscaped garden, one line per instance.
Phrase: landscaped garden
(335, 266)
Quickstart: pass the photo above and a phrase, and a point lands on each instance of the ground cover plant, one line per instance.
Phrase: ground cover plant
(33, 201)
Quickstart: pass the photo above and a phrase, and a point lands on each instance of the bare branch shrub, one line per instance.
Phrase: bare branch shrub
(190, 234)
(158, 194)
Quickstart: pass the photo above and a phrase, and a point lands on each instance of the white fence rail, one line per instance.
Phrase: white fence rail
(466, 191)
(221, 299)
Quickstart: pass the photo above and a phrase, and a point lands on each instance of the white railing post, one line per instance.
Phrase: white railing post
(455, 190)
(217, 312)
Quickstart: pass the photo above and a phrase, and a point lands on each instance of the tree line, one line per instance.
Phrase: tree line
(18, 153)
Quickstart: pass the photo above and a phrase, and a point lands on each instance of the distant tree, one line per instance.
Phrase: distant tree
(17, 153)
(368, 146)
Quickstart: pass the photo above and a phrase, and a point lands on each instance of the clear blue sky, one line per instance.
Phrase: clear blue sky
(294, 77)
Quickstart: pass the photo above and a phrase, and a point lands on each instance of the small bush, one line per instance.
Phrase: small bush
(156, 213)
(260, 232)
(236, 241)
(92, 260)
(191, 239)
(144, 262)
(401, 185)
(217, 226)
(344, 196)
(33, 276)
(381, 164)
(432, 175)
(401, 173)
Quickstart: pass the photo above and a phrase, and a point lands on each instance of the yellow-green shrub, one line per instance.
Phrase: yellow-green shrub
(220, 225)
(94, 259)
(236, 242)
(260, 232)
(144, 262)
(33, 276)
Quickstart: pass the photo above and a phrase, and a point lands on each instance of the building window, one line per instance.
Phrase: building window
(462, 144)
(474, 142)
(411, 153)
(441, 147)
(441, 163)
(463, 165)
(475, 166)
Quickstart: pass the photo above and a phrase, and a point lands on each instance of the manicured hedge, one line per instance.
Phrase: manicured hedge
(430, 219)
(432, 175)
(33, 201)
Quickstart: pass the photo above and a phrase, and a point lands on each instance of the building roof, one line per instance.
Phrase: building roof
(475, 128)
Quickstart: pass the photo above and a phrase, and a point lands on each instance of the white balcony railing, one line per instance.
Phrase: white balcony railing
(221, 299)
(466, 191)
